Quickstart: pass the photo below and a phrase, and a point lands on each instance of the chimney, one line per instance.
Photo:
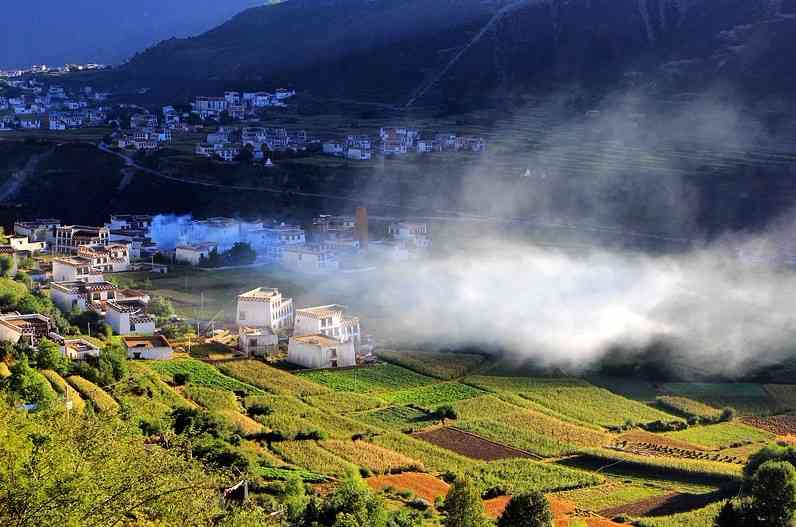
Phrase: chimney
(362, 227)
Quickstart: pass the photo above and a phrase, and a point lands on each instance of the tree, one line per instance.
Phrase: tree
(446, 411)
(463, 506)
(28, 385)
(6, 265)
(733, 514)
(527, 510)
(352, 505)
(295, 498)
(161, 308)
(773, 493)
(48, 356)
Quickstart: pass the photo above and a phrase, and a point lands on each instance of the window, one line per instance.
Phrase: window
(242, 315)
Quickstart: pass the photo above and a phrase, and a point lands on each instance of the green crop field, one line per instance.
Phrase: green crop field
(693, 471)
(290, 416)
(344, 402)
(638, 390)
(311, 456)
(401, 418)
(434, 458)
(535, 432)
(574, 398)
(146, 396)
(515, 476)
(444, 366)
(202, 374)
(688, 407)
(211, 398)
(62, 388)
(610, 495)
(375, 458)
(278, 473)
(783, 394)
(722, 435)
(271, 379)
(484, 406)
(433, 395)
(698, 518)
(746, 398)
(380, 379)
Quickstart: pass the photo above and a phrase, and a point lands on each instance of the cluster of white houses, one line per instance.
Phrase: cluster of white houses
(39, 106)
(319, 337)
(400, 141)
(237, 105)
(228, 142)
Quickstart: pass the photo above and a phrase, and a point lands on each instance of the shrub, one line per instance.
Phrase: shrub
(527, 510)
(182, 378)
(446, 411)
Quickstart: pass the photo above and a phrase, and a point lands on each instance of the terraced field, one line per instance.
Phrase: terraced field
(62, 388)
(722, 435)
(781, 425)
(103, 402)
(345, 402)
(433, 395)
(379, 379)
(272, 380)
(747, 399)
(446, 366)
(401, 418)
(375, 458)
(202, 374)
(574, 398)
(470, 445)
(313, 457)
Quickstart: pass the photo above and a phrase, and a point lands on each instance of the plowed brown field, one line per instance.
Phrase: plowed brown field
(423, 486)
(470, 445)
(782, 425)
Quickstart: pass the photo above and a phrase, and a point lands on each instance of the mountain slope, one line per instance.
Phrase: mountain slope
(401, 50)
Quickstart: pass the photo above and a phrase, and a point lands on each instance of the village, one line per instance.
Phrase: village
(81, 269)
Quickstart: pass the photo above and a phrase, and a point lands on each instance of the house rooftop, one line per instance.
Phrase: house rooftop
(74, 261)
(260, 292)
(321, 311)
(318, 340)
(155, 341)
(199, 247)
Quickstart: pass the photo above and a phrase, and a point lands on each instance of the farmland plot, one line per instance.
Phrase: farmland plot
(401, 418)
(698, 518)
(345, 402)
(721, 435)
(688, 407)
(484, 406)
(782, 425)
(271, 379)
(422, 485)
(291, 416)
(433, 457)
(211, 398)
(783, 394)
(375, 458)
(434, 394)
(516, 476)
(575, 398)
(311, 456)
(379, 379)
(746, 398)
(446, 366)
(470, 445)
(694, 471)
(610, 495)
(202, 374)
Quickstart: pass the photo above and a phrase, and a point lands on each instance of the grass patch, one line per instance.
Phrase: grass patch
(484, 406)
(103, 402)
(374, 458)
(446, 366)
(379, 379)
(574, 398)
(281, 474)
(721, 435)
(609, 496)
(271, 379)
(202, 374)
(688, 407)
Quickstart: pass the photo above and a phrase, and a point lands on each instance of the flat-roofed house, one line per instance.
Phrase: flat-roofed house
(109, 258)
(39, 230)
(75, 349)
(329, 321)
(156, 347)
(79, 296)
(69, 238)
(22, 244)
(265, 308)
(309, 259)
(257, 341)
(129, 317)
(15, 327)
(75, 268)
(320, 351)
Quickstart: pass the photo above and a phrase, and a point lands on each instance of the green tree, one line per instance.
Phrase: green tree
(773, 493)
(7, 265)
(353, 505)
(463, 506)
(447, 411)
(48, 356)
(405, 518)
(28, 385)
(527, 510)
(295, 498)
(161, 308)
(734, 514)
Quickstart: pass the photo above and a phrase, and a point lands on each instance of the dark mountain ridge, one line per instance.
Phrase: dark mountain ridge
(398, 51)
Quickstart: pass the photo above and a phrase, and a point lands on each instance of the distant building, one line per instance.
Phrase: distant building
(129, 317)
(194, 254)
(21, 244)
(309, 259)
(69, 238)
(319, 351)
(75, 269)
(110, 258)
(257, 341)
(75, 349)
(40, 230)
(329, 321)
(79, 296)
(418, 234)
(155, 347)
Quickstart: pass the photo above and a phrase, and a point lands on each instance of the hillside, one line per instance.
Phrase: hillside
(401, 51)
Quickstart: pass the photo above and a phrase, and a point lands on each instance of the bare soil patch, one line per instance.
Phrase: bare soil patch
(422, 485)
(470, 445)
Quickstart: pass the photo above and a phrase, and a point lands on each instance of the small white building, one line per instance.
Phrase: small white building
(110, 258)
(74, 269)
(15, 327)
(257, 341)
(75, 349)
(193, 254)
(79, 296)
(319, 351)
(156, 347)
(329, 321)
(309, 259)
(23, 244)
(128, 317)
(265, 308)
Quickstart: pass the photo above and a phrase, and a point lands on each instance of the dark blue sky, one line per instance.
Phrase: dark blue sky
(106, 31)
